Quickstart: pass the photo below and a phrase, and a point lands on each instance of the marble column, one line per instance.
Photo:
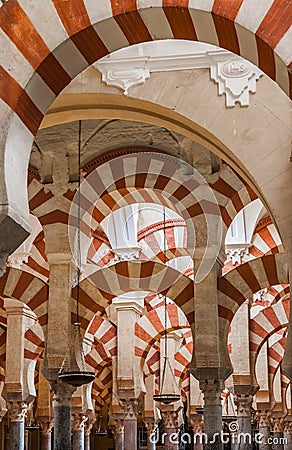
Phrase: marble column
(62, 415)
(212, 390)
(118, 427)
(278, 435)
(78, 422)
(171, 430)
(151, 435)
(288, 434)
(196, 422)
(46, 434)
(264, 430)
(17, 410)
(130, 424)
(87, 432)
(242, 440)
(7, 437)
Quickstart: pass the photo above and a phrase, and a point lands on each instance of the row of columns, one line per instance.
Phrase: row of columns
(125, 429)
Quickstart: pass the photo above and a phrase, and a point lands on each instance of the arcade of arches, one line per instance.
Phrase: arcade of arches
(176, 246)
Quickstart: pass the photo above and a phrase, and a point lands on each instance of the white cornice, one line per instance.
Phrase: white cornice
(235, 77)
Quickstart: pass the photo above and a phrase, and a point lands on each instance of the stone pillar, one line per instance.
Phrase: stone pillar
(26, 439)
(171, 430)
(151, 435)
(130, 424)
(62, 415)
(212, 390)
(87, 432)
(17, 411)
(288, 434)
(7, 437)
(264, 430)
(243, 437)
(197, 423)
(118, 426)
(78, 421)
(278, 435)
(46, 434)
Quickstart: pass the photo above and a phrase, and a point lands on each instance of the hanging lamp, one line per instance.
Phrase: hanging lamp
(164, 396)
(73, 370)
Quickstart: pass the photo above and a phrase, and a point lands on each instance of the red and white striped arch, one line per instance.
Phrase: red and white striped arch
(102, 386)
(246, 279)
(151, 327)
(50, 46)
(34, 342)
(267, 322)
(275, 356)
(274, 294)
(28, 289)
(285, 384)
(128, 276)
(138, 177)
(266, 239)
(37, 263)
(43, 204)
(154, 177)
(104, 347)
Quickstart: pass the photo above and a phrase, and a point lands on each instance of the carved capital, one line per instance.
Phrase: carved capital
(150, 426)
(130, 409)
(78, 421)
(278, 424)
(89, 424)
(62, 391)
(243, 403)
(287, 427)
(264, 420)
(118, 425)
(46, 426)
(212, 390)
(17, 410)
(170, 419)
(197, 424)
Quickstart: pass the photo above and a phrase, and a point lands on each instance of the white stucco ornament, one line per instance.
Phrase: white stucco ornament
(236, 79)
(125, 78)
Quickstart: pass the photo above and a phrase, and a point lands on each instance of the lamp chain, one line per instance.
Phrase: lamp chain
(78, 223)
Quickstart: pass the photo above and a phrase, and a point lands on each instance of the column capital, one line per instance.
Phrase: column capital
(170, 419)
(197, 423)
(150, 425)
(17, 410)
(118, 425)
(130, 408)
(243, 404)
(212, 390)
(89, 424)
(46, 426)
(288, 427)
(278, 424)
(62, 391)
(264, 419)
(78, 421)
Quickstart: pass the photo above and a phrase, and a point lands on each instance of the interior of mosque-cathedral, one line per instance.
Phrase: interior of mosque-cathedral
(145, 225)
